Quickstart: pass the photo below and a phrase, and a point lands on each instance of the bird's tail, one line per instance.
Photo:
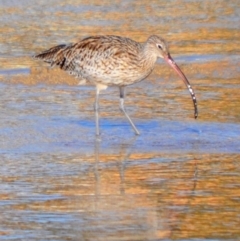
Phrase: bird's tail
(53, 56)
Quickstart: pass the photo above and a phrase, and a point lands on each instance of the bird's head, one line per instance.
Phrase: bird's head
(159, 48)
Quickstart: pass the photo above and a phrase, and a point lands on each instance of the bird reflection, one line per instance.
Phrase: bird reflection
(124, 150)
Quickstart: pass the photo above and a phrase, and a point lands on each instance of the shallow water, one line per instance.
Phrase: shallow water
(178, 180)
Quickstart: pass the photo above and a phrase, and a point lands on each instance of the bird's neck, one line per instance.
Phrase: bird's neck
(147, 57)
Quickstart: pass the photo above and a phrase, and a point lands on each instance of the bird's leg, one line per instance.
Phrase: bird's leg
(96, 109)
(122, 108)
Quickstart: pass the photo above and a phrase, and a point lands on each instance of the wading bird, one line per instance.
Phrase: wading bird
(112, 61)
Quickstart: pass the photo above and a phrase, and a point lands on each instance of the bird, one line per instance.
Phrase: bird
(109, 60)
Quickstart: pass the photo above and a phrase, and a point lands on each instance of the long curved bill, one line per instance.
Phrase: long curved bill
(171, 62)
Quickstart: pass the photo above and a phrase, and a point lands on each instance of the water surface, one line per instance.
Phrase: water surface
(178, 180)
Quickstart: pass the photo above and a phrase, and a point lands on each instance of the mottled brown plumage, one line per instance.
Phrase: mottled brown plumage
(106, 60)
(111, 61)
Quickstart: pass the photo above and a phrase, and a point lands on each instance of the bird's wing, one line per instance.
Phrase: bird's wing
(98, 52)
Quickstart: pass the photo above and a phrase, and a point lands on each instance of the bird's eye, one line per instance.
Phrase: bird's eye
(159, 46)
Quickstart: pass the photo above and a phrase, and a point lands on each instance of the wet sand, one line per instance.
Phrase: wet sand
(178, 180)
